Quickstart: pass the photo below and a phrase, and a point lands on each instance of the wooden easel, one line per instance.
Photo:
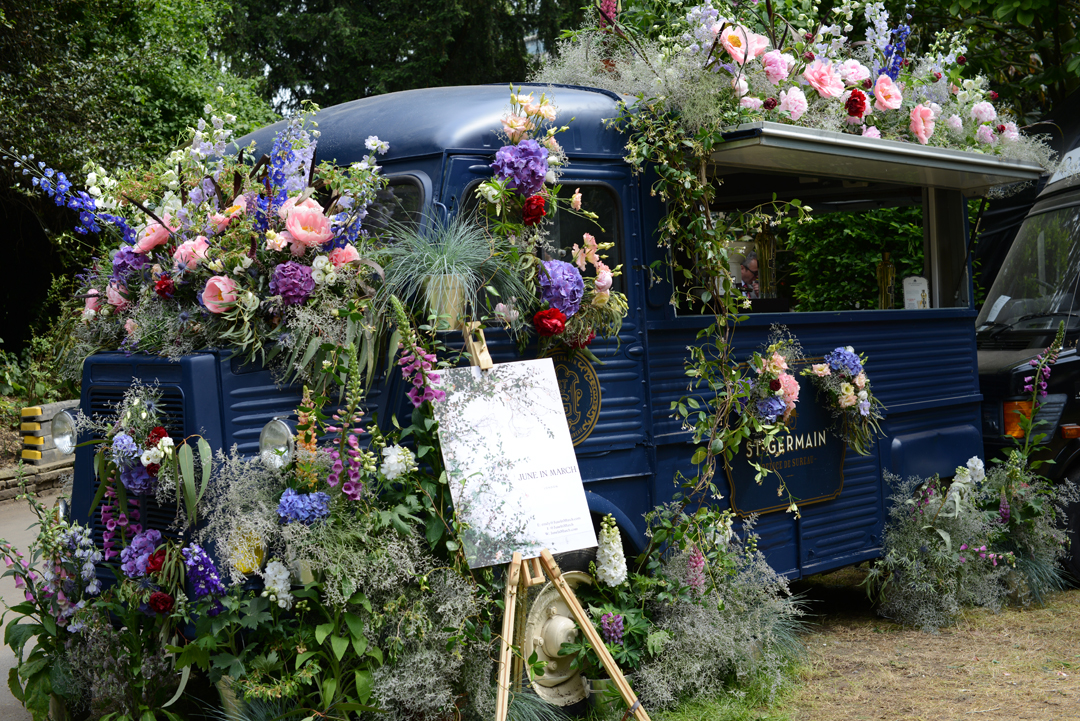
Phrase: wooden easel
(520, 575)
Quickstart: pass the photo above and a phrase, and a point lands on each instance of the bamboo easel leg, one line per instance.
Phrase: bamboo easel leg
(513, 576)
(628, 695)
(520, 617)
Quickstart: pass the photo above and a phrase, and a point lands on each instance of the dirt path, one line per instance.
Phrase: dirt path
(1017, 664)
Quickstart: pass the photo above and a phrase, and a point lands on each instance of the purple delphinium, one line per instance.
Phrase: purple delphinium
(134, 558)
(843, 360)
(769, 408)
(524, 164)
(611, 625)
(203, 576)
(124, 450)
(303, 507)
(293, 282)
(561, 286)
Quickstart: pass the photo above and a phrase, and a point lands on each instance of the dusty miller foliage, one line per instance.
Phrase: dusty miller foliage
(743, 626)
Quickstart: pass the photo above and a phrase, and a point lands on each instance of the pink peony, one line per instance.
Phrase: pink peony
(955, 123)
(751, 102)
(985, 134)
(983, 112)
(741, 44)
(220, 291)
(341, 256)
(115, 295)
(777, 66)
(887, 94)
(191, 252)
(922, 123)
(308, 226)
(221, 220)
(792, 102)
(853, 72)
(289, 205)
(93, 301)
(739, 85)
(153, 235)
(824, 79)
(871, 132)
(1011, 133)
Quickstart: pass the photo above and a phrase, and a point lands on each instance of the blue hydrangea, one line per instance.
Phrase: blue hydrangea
(843, 360)
(524, 164)
(124, 262)
(769, 408)
(303, 507)
(561, 286)
(137, 479)
(124, 450)
(134, 558)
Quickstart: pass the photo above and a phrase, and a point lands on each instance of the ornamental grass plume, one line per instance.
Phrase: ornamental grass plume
(610, 560)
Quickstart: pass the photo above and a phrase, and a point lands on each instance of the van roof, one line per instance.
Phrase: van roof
(431, 120)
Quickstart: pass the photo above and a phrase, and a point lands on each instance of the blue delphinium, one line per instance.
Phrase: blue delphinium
(203, 576)
(844, 360)
(303, 507)
(561, 286)
(524, 164)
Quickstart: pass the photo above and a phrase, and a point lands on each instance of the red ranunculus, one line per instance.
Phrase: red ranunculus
(165, 287)
(769, 103)
(153, 469)
(155, 436)
(156, 561)
(856, 104)
(161, 602)
(774, 385)
(549, 322)
(534, 210)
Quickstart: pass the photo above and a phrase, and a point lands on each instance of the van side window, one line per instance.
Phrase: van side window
(399, 202)
(568, 229)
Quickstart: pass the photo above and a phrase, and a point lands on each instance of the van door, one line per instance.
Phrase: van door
(607, 404)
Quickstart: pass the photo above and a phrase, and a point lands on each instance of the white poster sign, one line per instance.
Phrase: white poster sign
(916, 293)
(510, 462)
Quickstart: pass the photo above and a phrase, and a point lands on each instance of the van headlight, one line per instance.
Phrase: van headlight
(63, 433)
(276, 443)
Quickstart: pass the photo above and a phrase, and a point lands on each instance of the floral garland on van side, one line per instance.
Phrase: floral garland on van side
(843, 382)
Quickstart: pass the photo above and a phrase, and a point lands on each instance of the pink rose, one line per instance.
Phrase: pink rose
(93, 301)
(115, 295)
(221, 220)
(853, 72)
(290, 204)
(220, 290)
(191, 252)
(742, 44)
(603, 281)
(153, 235)
(887, 94)
(751, 102)
(341, 256)
(309, 226)
(922, 123)
(983, 112)
(871, 132)
(777, 66)
(792, 102)
(824, 79)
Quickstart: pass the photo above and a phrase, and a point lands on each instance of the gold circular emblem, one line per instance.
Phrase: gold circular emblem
(580, 389)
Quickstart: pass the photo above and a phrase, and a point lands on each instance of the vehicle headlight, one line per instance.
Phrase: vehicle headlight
(63, 432)
(276, 443)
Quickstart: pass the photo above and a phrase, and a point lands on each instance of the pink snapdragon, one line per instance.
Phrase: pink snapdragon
(922, 123)
(824, 78)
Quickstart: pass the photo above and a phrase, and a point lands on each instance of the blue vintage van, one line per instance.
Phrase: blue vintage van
(922, 363)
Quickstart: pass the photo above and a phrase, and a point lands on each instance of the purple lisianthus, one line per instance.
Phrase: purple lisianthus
(124, 450)
(844, 360)
(524, 164)
(293, 282)
(304, 507)
(134, 558)
(864, 408)
(769, 408)
(137, 479)
(561, 286)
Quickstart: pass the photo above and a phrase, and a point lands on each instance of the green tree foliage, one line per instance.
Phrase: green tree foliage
(333, 51)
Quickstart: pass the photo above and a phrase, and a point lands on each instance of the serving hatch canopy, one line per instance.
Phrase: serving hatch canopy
(765, 147)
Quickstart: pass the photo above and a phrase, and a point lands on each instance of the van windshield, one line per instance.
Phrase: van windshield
(1037, 286)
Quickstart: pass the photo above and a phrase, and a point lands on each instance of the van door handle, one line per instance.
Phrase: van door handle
(635, 351)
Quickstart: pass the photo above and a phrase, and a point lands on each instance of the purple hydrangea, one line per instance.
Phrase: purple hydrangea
(524, 164)
(304, 507)
(137, 479)
(611, 625)
(844, 360)
(124, 450)
(770, 407)
(202, 573)
(125, 261)
(293, 282)
(134, 558)
(561, 286)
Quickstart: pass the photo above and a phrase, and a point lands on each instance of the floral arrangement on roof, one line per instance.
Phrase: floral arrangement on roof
(719, 65)
(842, 380)
(573, 306)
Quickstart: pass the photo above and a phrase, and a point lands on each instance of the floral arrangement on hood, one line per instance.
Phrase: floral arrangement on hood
(575, 306)
(773, 391)
(842, 380)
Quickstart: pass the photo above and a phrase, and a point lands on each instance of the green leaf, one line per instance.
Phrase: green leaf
(364, 685)
(339, 645)
(322, 631)
(699, 456)
(355, 624)
(360, 645)
(329, 689)
(376, 654)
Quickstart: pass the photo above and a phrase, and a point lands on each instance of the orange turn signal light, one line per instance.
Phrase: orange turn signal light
(1012, 411)
(1070, 430)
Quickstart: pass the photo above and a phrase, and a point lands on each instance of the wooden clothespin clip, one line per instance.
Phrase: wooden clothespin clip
(476, 344)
